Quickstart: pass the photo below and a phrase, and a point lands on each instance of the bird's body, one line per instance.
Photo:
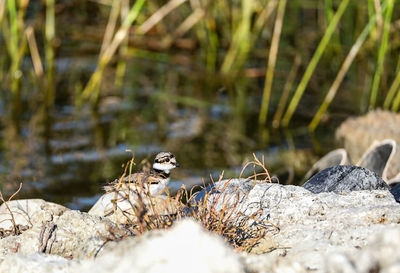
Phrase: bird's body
(122, 194)
(140, 182)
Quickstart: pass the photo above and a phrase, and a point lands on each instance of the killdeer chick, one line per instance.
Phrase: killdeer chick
(123, 192)
(153, 181)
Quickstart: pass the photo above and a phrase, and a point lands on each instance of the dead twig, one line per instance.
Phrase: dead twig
(256, 162)
(16, 230)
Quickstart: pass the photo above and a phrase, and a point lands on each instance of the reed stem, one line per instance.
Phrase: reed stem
(343, 71)
(381, 54)
(392, 90)
(273, 53)
(2, 11)
(286, 92)
(49, 52)
(313, 63)
(396, 102)
(92, 88)
(240, 41)
(121, 65)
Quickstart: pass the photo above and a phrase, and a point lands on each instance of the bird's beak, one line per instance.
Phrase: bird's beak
(177, 165)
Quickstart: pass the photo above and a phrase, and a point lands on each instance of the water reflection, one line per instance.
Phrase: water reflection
(67, 153)
(198, 97)
(81, 150)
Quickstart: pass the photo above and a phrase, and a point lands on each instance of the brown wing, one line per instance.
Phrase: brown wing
(136, 178)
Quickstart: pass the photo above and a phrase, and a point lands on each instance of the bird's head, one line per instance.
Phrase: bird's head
(164, 162)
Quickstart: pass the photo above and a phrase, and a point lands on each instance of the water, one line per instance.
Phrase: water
(67, 156)
(167, 100)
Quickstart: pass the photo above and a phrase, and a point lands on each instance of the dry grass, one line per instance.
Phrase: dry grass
(16, 229)
(223, 214)
(145, 212)
(217, 210)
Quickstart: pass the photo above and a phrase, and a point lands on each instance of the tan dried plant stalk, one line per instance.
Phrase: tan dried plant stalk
(217, 212)
(16, 228)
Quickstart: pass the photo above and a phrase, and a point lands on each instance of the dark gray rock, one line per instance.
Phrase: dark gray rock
(395, 190)
(345, 179)
(231, 188)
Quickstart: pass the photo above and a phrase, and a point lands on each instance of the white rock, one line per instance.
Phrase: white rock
(272, 262)
(120, 207)
(36, 263)
(338, 262)
(327, 232)
(313, 225)
(382, 251)
(186, 247)
(28, 212)
(380, 254)
(53, 229)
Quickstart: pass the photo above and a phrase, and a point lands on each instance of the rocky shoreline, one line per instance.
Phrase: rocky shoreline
(353, 231)
(344, 219)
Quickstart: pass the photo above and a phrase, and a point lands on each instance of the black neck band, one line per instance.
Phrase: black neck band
(162, 173)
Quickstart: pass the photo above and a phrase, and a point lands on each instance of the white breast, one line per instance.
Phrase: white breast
(124, 198)
(156, 189)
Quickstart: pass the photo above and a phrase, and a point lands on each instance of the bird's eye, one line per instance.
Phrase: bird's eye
(167, 160)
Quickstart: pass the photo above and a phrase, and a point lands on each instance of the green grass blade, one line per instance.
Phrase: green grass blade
(396, 102)
(50, 30)
(93, 86)
(392, 91)
(13, 48)
(12, 13)
(381, 54)
(329, 10)
(212, 46)
(371, 13)
(286, 92)
(15, 41)
(313, 63)
(343, 70)
(240, 42)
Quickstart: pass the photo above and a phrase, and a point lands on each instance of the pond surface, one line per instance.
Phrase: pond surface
(169, 99)
(68, 154)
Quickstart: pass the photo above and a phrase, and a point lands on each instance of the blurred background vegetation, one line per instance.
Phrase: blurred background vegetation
(83, 81)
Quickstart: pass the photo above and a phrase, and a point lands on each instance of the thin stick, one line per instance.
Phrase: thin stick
(15, 193)
(110, 28)
(2, 9)
(159, 15)
(185, 26)
(8, 208)
(37, 62)
(273, 53)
